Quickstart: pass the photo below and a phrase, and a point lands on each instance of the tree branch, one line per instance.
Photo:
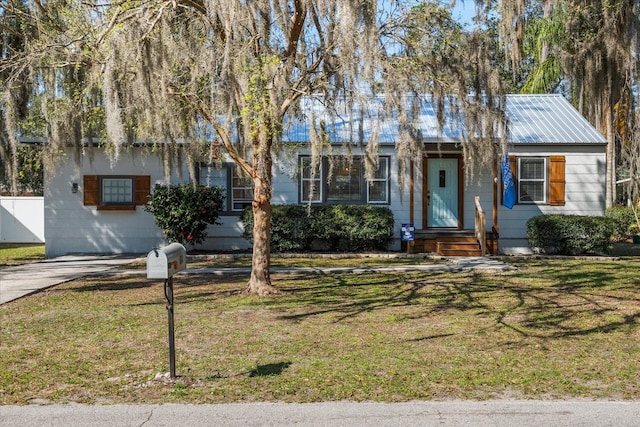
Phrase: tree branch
(224, 136)
(297, 24)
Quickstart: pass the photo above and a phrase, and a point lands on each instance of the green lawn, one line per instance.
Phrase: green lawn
(552, 329)
(20, 253)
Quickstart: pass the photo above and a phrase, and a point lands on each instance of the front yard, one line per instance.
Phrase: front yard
(552, 329)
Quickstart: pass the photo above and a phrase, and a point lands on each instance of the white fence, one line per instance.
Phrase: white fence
(22, 219)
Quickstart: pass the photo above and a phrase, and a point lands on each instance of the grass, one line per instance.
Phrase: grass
(552, 329)
(296, 260)
(20, 253)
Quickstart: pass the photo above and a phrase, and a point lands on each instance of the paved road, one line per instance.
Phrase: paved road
(451, 413)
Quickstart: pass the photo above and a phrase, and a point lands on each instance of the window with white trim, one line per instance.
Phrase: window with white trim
(236, 185)
(310, 181)
(378, 186)
(346, 182)
(532, 179)
(241, 190)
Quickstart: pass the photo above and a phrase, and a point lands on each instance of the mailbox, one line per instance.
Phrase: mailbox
(162, 263)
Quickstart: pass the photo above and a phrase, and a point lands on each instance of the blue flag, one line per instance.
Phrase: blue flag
(509, 195)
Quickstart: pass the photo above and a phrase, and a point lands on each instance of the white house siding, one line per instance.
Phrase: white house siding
(400, 196)
(71, 227)
(584, 192)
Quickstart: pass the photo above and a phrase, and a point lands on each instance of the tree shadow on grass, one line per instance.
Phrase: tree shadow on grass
(112, 283)
(544, 299)
(338, 294)
(557, 300)
(269, 370)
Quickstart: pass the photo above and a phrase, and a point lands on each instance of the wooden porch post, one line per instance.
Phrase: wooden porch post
(495, 227)
(411, 195)
(411, 202)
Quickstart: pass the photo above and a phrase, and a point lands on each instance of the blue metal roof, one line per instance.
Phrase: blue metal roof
(532, 119)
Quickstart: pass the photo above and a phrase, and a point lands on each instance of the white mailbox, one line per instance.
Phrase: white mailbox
(162, 263)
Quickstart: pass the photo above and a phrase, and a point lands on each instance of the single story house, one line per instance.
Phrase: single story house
(557, 158)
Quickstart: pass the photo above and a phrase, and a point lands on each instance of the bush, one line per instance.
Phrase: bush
(184, 211)
(328, 227)
(30, 173)
(623, 222)
(570, 234)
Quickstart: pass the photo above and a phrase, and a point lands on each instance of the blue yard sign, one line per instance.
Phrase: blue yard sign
(407, 232)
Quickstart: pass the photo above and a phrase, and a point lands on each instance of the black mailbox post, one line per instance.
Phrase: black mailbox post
(163, 263)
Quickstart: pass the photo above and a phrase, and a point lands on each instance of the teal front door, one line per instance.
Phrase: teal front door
(442, 193)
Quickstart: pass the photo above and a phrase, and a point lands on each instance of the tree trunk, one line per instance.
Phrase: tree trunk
(610, 190)
(609, 133)
(260, 281)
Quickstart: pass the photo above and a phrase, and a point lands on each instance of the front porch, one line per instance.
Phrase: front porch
(441, 213)
(448, 242)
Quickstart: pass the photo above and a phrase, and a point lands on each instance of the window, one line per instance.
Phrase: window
(116, 192)
(378, 186)
(234, 183)
(532, 180)
(347, 183)
(241, 190)
(539, 179)
(310, 181)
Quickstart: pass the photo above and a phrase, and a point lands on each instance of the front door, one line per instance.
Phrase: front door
(442, 192)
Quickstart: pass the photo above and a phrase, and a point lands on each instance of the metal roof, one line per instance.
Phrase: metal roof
(532, 119)
(548, 119)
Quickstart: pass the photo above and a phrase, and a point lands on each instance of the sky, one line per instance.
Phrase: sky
(464, 11)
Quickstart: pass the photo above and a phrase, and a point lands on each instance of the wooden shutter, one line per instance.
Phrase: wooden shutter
(142, 187)
(91, 190)
(556, 180)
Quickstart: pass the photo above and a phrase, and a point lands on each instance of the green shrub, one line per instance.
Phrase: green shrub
(183, 211)
(327, 227)
(30, 173)
(623, 222)
(570, 234)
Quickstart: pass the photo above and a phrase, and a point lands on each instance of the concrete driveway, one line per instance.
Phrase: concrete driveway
(16, 282)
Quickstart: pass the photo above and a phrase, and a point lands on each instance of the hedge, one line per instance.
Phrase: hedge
(623, 222)
(570, 234)
(337, 228)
